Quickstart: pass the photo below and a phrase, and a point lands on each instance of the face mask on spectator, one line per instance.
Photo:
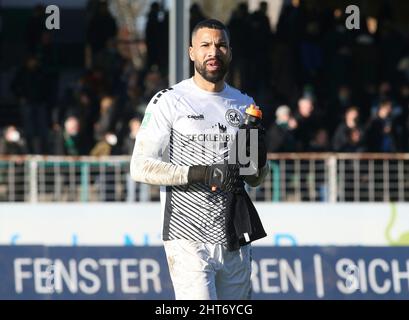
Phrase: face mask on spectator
(13, 136)
(111, 139)
(71, 126)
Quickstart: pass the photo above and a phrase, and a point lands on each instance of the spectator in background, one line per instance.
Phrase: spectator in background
(156, 36)
(280, 136)
(260, 51)
(79, 102)
(379, 133)
(132, 106)
(106, 146)
(134, 103)
(11, 143)
(86, 110)
(48, 57)
(337, 45)
(288, 23)
(365, 55)
(344, 139)
(344, 97)
(306, 135)
(35, 27)
(104, 123)
(110, 62)
(391, 47)
(339, 103)
(320, 141)
(240, 33)
(373, 61)
(101, 28)
(196, 15)
(153, 82)
(96, 81)
(30, 87)
(286, 62)
(129, 140)
(311, 30)
(306, 123)
(386, 93)
(47, 53)
(402, 121)
(164, 61)
(354, 141)
(68, 141)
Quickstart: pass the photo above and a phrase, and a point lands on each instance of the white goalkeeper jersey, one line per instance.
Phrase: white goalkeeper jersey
(186, 125)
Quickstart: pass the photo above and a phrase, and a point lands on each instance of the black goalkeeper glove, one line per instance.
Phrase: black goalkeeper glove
(222, 176)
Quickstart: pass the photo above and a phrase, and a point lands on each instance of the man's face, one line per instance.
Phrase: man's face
(134, 125)
(211, 54)
(72, 126)
(352, 116)
(305, 107)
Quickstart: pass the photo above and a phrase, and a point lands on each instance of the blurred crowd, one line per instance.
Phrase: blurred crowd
(321, 86)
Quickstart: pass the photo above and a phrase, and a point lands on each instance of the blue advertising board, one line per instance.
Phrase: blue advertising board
(42, 272)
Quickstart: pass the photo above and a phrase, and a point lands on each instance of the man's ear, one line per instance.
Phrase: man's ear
(191, 54)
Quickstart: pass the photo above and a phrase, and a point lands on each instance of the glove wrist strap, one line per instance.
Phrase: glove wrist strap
(196, 174)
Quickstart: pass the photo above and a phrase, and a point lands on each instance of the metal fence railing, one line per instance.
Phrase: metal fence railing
(332, 177)
(294, 177)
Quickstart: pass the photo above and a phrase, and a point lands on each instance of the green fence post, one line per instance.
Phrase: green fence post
(84, 181)
(275, 174)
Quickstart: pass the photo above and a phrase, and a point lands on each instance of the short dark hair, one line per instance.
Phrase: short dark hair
(211, 24)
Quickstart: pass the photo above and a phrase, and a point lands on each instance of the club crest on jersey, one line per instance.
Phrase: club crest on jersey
(234, 117)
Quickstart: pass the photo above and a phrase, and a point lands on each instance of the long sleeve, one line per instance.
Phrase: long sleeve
(147, 169)
(147, 165)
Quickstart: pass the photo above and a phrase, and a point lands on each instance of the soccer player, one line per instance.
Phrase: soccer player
(183, 145)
